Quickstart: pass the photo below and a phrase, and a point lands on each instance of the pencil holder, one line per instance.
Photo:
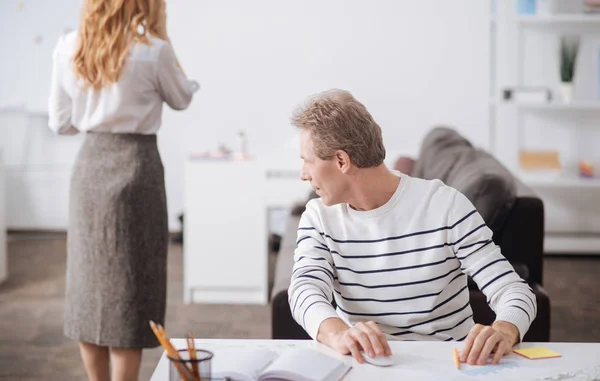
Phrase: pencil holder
(187, 369)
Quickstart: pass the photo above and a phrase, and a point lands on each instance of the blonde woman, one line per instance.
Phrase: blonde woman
(109, 80)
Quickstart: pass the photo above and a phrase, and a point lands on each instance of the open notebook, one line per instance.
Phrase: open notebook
(261, 364)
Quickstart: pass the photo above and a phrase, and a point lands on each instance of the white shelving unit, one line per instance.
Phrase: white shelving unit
(524, 51)
(559, 182)
(560, 19)
(574, 106)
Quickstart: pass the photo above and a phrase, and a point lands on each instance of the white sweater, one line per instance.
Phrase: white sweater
(403, 266)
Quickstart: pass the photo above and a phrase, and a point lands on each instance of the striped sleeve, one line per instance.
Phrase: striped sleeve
(509, 296)
(311, 287)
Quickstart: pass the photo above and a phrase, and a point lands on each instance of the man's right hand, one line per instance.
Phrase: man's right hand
(366, 337)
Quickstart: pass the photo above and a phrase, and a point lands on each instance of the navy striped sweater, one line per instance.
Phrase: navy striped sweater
(403, 265)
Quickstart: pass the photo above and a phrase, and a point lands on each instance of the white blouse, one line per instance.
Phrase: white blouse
(133, 104)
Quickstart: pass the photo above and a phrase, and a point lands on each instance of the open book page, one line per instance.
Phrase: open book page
(305, 365)
(240, 364)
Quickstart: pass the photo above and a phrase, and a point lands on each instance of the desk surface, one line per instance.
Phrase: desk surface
(433, 360)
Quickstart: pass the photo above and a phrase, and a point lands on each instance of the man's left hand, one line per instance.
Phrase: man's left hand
(482, 341)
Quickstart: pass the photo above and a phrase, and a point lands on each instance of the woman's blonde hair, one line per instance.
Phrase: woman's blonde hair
(337, 121)
(108, 29)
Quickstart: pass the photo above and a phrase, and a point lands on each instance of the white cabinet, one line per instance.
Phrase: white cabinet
(225, 228)
(225, 236)
(3, 254)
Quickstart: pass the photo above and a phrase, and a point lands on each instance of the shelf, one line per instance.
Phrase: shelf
(22, 110)
(560, 19)
(558, 181)
(575, 244)
(572, 106)
(557, 106)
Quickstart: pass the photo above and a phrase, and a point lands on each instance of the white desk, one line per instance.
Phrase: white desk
(433, 360)
(225, 228)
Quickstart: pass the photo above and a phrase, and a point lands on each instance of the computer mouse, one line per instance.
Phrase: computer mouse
(380, 360)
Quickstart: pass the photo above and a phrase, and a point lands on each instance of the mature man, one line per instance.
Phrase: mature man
(393, 251)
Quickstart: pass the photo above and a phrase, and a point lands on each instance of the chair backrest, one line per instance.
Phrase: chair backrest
(521, 239)
(447, 156)
(513, 211)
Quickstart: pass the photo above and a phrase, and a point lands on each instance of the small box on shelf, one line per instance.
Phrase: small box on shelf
(527, 95)
(539, 160)
(591, 6)
(587, 169)
(542, 169)
(526, 7)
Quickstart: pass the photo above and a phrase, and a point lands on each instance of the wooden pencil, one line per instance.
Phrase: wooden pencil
(188, 372)
(166, 344)
(456, 359)
(193, 354)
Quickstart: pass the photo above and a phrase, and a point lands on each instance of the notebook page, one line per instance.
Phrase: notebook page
(304, 365)
(240, 364)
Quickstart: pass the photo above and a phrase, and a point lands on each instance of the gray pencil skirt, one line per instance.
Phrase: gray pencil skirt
(117, 242)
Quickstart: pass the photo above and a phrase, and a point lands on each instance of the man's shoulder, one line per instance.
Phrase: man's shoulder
(316, 206)
(433, 187)
(317, 210)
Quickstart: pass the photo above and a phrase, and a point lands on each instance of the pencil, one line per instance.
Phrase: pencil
(165, 342)
(456, 360)
(184, 372)
(192, 352)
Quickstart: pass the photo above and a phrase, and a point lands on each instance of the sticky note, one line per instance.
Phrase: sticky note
(537, 353)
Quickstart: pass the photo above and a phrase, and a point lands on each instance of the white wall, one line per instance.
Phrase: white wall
(414, 64)
(28, 34)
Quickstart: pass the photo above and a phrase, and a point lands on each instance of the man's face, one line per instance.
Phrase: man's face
(324, 175)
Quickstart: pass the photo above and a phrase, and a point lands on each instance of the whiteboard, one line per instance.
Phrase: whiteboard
(414, 64)
(30, 30)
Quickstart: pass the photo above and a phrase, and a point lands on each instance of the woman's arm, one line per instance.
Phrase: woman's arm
(173, 86)
(59, 108)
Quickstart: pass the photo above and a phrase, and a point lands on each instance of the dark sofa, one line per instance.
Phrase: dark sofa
(513, 212)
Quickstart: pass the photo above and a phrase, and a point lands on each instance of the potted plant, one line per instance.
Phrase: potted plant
(569, 47)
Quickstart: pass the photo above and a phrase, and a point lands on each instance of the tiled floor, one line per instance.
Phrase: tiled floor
(32, 346)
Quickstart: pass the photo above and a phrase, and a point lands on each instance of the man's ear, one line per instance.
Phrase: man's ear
(342, 161)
